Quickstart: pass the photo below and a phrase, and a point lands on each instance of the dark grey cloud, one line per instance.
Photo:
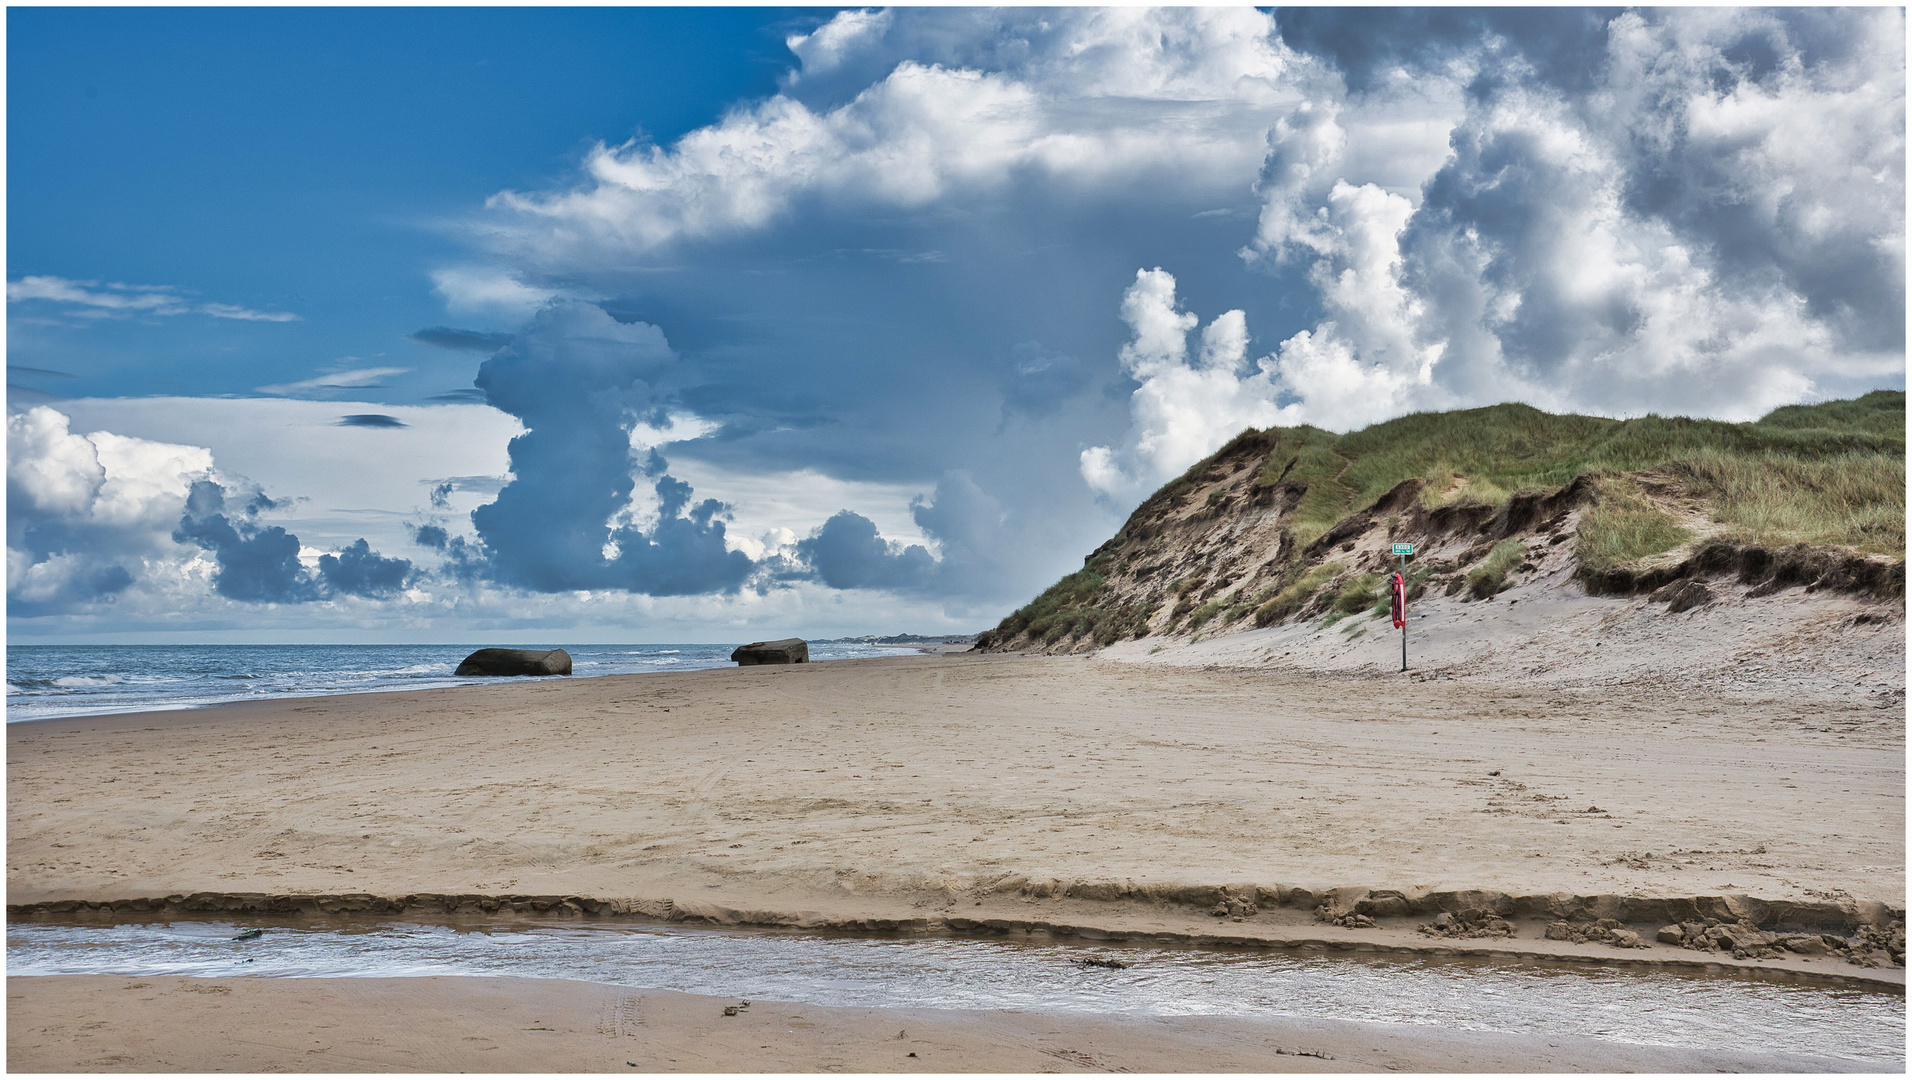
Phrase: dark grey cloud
(848, 553)
(580, 380)
(255, 564)
(371, 420)
(1564, 46)
(970, 529)
(448, 337)
(975, 533)
(260, 563)
(462, 396)
(359, 571)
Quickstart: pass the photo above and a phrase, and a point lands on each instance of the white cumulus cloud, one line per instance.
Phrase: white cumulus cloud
(98, 477)
(88, 514)
(1084, 99)
(1715, 226)
(1688, 234)
(1183, 411)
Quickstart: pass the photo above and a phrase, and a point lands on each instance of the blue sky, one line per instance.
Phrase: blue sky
(304, 160)
(825, 322)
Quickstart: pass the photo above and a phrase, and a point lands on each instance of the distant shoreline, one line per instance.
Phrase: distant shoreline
(49, 682)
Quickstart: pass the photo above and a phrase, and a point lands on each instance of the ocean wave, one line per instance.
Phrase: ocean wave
(78, 682)
(415, 669)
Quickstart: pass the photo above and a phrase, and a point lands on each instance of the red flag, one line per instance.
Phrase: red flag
(1399, 606)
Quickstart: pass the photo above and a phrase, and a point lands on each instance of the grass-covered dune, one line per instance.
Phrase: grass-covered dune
(1256, 531)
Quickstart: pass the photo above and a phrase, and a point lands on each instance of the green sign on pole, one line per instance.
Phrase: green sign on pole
(1403, 549)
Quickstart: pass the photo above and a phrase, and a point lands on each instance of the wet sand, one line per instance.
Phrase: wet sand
(1078, 795)
(118, 1024)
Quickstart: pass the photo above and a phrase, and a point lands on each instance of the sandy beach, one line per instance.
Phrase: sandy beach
(858, 784)
(966, 793)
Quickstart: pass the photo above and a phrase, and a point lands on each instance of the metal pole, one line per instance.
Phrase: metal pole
(1404, 613)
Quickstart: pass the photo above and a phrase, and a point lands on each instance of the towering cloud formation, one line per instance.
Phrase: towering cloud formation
(581, 381)
(594, 395)
(257, 562)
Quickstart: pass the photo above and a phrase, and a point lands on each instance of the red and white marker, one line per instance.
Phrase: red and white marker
(1399, 606)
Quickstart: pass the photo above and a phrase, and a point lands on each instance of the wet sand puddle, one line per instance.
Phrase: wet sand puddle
(1653, 1008)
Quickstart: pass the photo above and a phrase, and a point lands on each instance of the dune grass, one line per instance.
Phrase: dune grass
(1830, 473)
(1622, 526)
(1063, 608)
(1358, 593)
(1489, 576)
(1202, 614)
(1295, 595)
(1851, 499)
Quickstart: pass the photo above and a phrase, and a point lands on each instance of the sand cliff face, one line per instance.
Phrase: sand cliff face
(1216, 554)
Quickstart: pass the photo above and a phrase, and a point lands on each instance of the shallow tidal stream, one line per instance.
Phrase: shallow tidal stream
(1630, 1005)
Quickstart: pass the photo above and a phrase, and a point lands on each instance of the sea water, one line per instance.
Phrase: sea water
(50, 681)
(1640, 1006)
